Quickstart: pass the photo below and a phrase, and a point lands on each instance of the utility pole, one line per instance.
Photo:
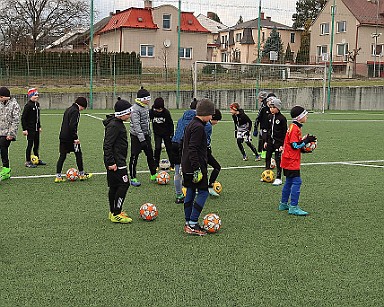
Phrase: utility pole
(333, 9)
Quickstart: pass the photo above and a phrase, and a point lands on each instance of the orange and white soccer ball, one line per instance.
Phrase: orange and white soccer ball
(310, 147)
(72, 174)
(212, 222)
(148, 212)
(217, 187)
(162, 177)
(268, 176)
(273, 163)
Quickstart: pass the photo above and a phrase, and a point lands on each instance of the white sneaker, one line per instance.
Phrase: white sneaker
(277, 182)
(213, 192)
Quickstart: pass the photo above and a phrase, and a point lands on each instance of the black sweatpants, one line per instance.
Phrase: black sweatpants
(33, 141)
(216, 167)
(135, 152)
(118, 183)
(168, 148)
(4, 145)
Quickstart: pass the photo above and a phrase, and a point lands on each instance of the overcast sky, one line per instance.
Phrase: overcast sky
(229, 11)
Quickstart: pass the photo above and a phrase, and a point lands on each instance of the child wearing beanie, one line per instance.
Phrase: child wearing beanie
(9, 123)
(30, 122)
(140, 133)
(115, 149)
(177, 141)
(277, 128)
(194, 163)
(243, 126)
(290, 162)
(69, 140)
(163, 129)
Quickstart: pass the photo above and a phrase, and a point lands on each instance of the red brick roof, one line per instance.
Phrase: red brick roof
(189, 23)
(130, 18)
(142, 18)
(366, 11)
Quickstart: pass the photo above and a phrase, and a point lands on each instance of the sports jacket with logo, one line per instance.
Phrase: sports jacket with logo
(242, 122)
(291, 157)
(71, 117)
(161, 122)
(277, 129)
(30, 119)
(115, 142)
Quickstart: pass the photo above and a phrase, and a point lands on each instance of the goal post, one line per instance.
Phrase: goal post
(225, 83)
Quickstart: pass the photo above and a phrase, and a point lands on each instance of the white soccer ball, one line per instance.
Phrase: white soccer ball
(164, 164)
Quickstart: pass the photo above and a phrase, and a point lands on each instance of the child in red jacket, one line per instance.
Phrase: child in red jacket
(290, 161)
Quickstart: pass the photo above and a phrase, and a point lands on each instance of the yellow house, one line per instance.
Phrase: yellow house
(357, 37)
(240, 42)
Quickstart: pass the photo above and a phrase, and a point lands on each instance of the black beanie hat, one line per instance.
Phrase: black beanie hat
(82, 101)
(298, 112)
(193, 104)
(5, 92)
(158, 103)
(142, 93)
(205, 107)
(217, 115)
(122, 107)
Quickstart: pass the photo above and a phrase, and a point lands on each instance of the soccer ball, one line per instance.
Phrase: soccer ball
(164, 164)
(310, 147)
(34, 159)
(148, 212)
(273, 163)
(72, 174)
(212, 222)
(162, 177)
(268, 176)
(217, 187)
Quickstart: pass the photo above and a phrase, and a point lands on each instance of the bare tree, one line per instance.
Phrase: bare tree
(32, 24)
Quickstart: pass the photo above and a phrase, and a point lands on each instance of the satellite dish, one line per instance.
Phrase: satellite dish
(167, 43)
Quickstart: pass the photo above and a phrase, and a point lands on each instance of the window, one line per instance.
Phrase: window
(167, 21)
(185, 53)
(224, 57)
(238, 37)
(341, 26)
(147, 50)
(322, 54)
(292, 38)
(342, 49)
(262, 36)
(324, 28)
(236, 56)
(378, 50)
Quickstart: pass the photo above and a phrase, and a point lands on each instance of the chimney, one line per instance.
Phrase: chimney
(269, 18)
(147, 4)
(262, 15)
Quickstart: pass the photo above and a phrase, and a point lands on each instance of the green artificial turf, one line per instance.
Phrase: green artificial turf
(57, 247)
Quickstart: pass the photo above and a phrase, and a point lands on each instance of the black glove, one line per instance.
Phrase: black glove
(309, 139)
(144, 145)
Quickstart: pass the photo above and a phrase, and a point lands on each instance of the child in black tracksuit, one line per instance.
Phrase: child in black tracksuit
(243, 126)
(69, 140)
(276, 132)
(163, 129)
(262, 122)
(30, 122)
(115, 159)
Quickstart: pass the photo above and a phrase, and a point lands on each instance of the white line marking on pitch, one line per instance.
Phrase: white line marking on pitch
(351, 163)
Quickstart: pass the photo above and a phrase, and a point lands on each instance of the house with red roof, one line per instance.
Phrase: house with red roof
(152, 32)
(358, 37)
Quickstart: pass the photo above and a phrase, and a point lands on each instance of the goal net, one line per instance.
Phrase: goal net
(225, 83)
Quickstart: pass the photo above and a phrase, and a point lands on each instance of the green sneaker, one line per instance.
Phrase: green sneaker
(263, 154)
(5, 173)
(283, 206)
(296, 210)
(153, 177)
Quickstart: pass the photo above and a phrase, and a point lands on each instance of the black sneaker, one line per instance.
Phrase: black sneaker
(41, 162)
(179, 200)
(195, 230)
(30, 164)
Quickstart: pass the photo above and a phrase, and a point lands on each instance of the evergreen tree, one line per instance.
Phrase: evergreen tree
(288, 54)
(273, 43)
(303, 54)
(306, 10)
